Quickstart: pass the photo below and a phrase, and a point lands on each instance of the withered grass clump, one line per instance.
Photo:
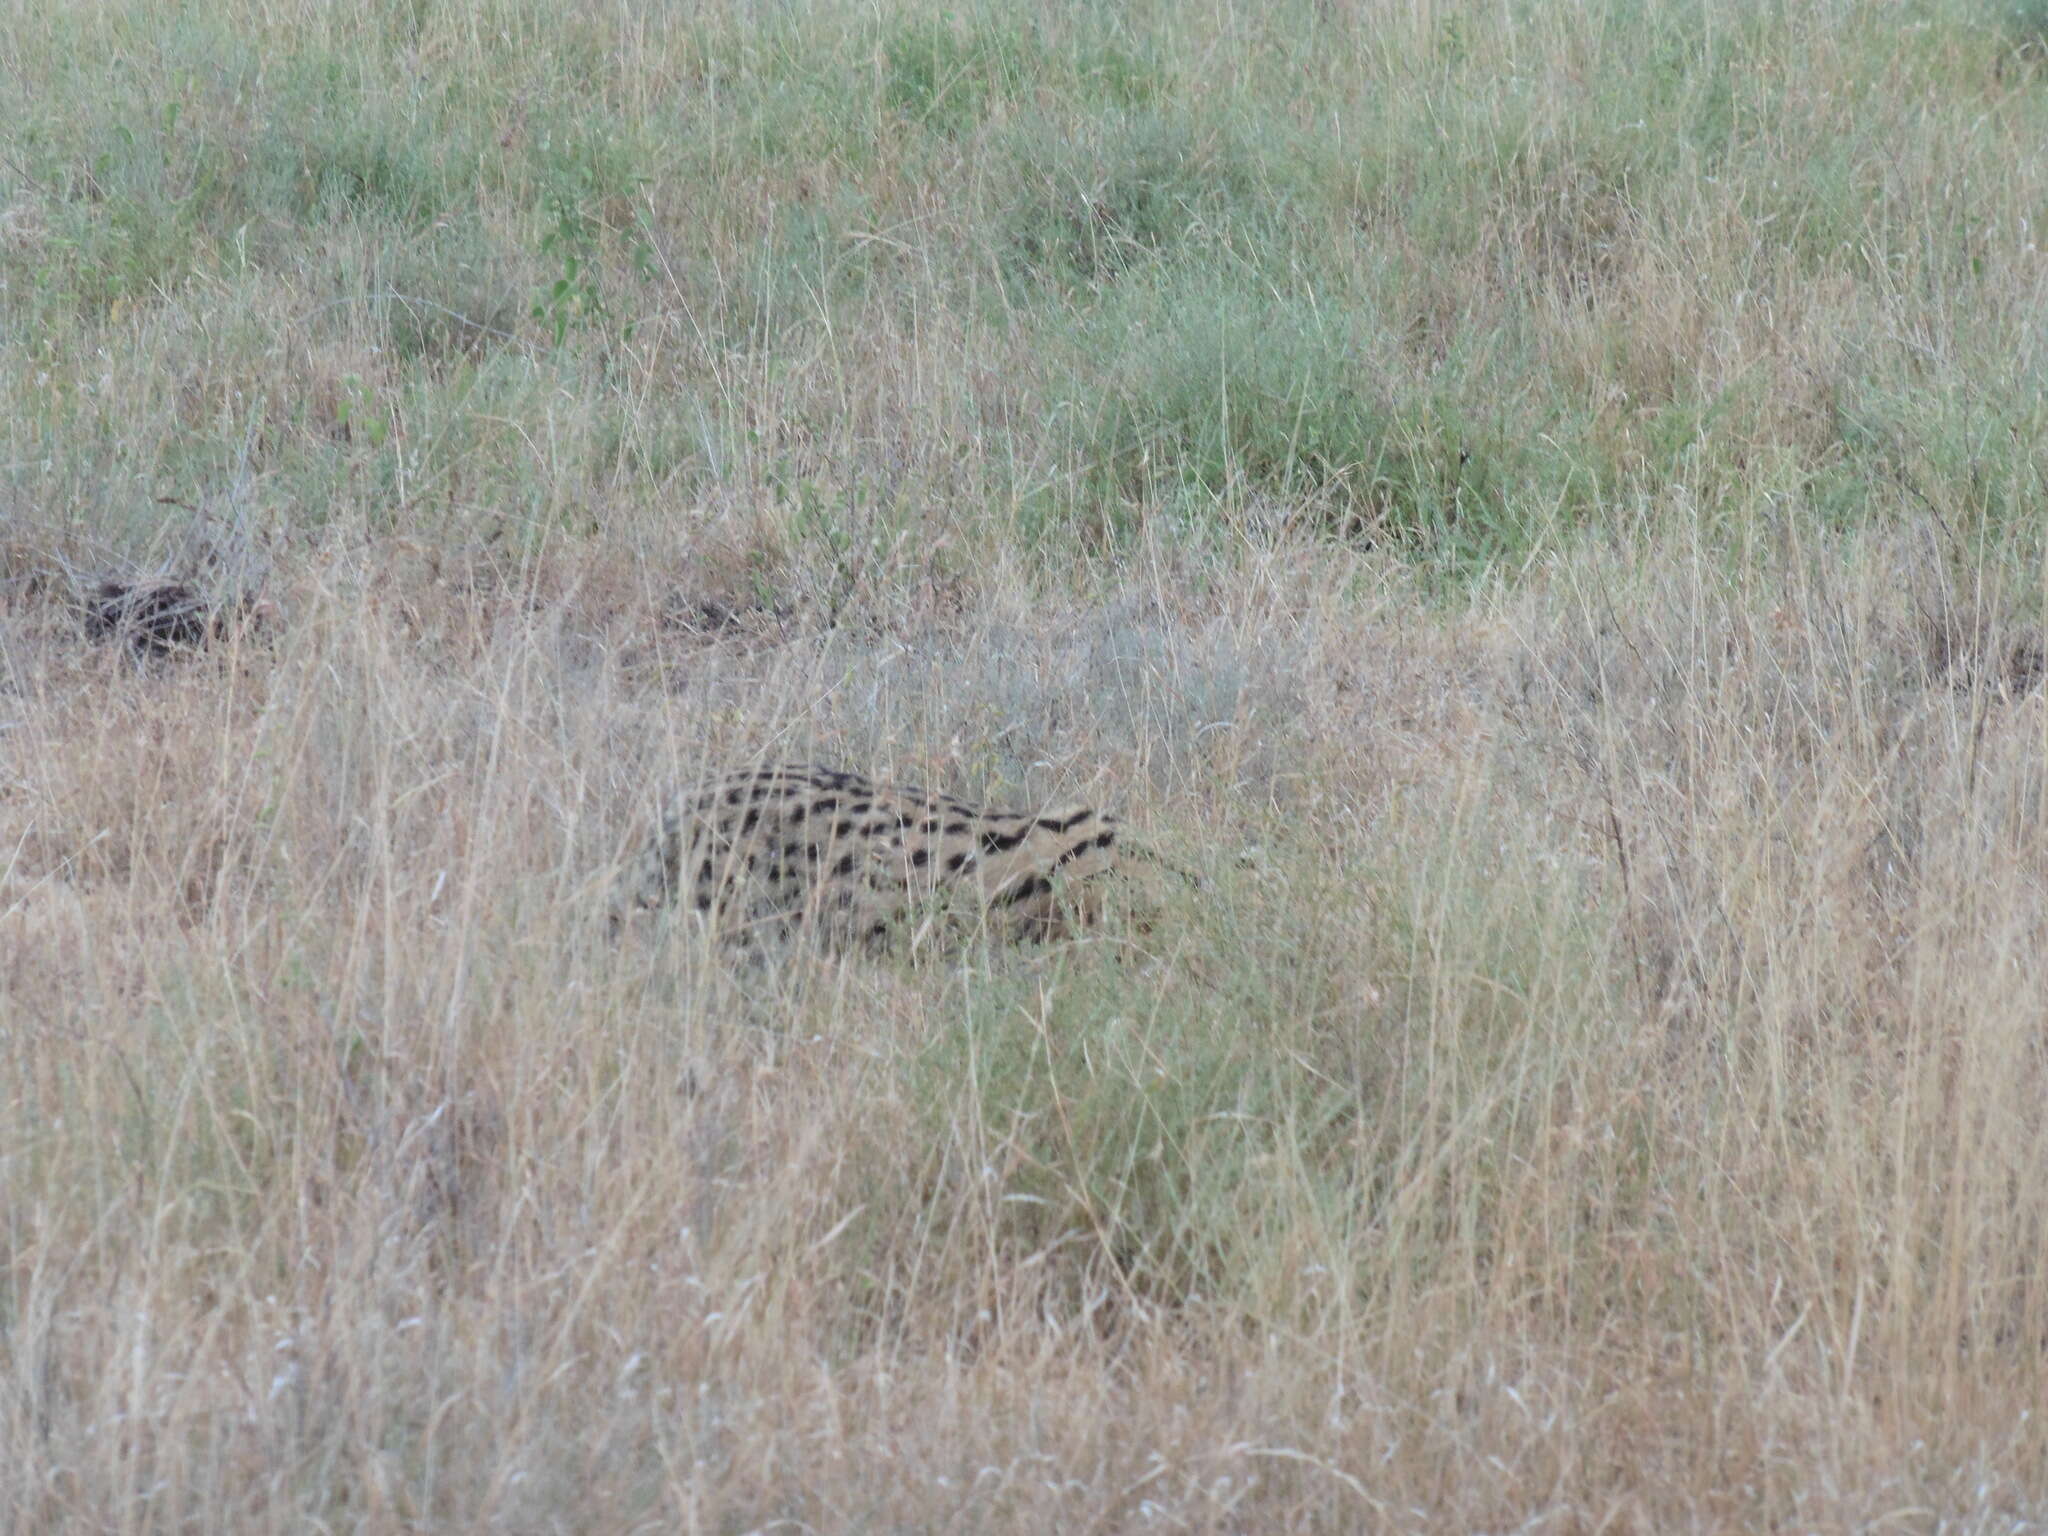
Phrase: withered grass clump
(155, 616)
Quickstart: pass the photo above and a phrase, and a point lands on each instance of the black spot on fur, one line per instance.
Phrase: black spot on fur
(921, 857)
(1085, 845)
(1024, 890)
(993, 841)
(845, 865)
(1064, 826)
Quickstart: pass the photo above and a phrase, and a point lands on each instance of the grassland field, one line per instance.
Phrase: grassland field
(1539, 504)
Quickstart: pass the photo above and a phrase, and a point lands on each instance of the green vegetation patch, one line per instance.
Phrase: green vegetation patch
(1086, 206)
(1456, 284)
(1206, 388)
(1141, 1147)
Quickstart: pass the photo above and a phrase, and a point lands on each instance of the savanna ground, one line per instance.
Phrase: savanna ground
(1541, 504)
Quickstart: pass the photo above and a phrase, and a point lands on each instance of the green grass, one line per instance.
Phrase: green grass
(1504, 272)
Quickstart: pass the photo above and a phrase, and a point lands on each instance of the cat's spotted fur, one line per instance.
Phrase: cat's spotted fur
(775, 849)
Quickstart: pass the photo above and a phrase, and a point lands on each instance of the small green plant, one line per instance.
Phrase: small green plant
(359, 409)
(576, 299)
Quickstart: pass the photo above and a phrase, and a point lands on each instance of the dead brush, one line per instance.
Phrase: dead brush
(151, 616)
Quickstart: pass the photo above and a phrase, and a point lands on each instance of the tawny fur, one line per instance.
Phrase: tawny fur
(780, 848)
